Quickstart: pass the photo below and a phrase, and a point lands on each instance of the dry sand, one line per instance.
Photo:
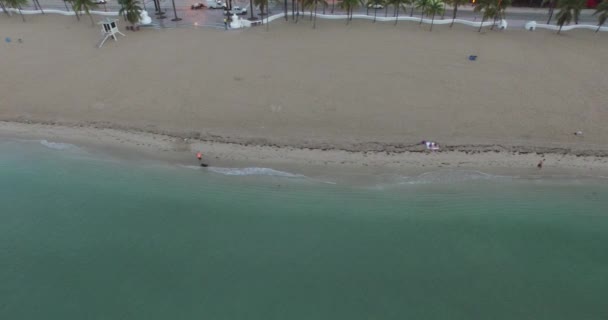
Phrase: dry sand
(364, 87)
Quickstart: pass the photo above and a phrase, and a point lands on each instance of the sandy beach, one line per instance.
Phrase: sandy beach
(362, 95)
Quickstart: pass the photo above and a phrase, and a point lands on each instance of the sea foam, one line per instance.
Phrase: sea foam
(57, 145)
(254, 171)
(451, 176)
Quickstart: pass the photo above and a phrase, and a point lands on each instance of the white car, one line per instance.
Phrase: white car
(238, 10)
(375, 6)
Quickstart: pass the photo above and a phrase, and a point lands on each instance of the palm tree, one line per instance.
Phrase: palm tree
(602, 9)
(455, 4)
(73, 5)
(501, 8)
(577, 11)
(314, 4)
(17, 5)
(397, 4)
(4, 8)
(349, 5)
(489, 9)
(86, 5)
(434, 7)
(422, 4)
(261, 4)
(568, 10)
(131, 10)
(551, 8)
(38, 6)
(374, 3)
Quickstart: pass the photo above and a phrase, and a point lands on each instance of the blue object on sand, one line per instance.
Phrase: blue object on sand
(7, 39)
(472, 58)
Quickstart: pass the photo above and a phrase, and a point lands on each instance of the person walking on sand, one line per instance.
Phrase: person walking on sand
(226, 23)
(540, 164)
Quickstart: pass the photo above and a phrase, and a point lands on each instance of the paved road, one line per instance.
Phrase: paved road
(214, 18)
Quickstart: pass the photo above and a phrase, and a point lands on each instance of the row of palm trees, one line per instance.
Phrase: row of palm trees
(569, 10)
(129, 9)
(490, 9)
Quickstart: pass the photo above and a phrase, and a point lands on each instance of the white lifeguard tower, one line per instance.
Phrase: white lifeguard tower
(109, 28)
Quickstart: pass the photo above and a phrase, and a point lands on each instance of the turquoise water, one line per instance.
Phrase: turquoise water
(84, 237)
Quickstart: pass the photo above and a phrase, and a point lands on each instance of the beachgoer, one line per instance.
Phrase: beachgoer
(199, 156)
(540, 164)
(226, 23)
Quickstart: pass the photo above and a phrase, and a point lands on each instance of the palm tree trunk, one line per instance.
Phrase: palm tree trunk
(432, 21)
(4, 8)
(397, 14)
(90, 16)
(251, 7)
(454, 16)
(22, 17)
(598, 28)
(412, 11)
(560, 28)
(493, 22)
(66, 6)
(443, 12)
(421, 15)
(550, 12)
(386, 11)
(481, 24)
(311, 8)
(347, 15)
(284, 10)
(375, 13)
(39, 6)
(314, 22)
(333, 5)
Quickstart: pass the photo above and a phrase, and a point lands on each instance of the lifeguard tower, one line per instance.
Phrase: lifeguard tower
(109, 28)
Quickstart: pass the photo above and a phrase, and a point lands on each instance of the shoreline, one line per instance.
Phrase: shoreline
(347, 100)
(345, 166)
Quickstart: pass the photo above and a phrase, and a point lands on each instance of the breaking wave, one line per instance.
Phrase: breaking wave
(57, 145)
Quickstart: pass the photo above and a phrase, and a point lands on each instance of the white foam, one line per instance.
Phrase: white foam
(254, 171)
(451, 176)
(57, 145)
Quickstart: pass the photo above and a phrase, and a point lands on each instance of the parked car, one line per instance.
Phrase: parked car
(211, 4)
(197, 5)
(375, 6)
(238, 10)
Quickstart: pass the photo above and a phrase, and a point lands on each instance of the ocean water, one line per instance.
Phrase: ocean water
(89, 237)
